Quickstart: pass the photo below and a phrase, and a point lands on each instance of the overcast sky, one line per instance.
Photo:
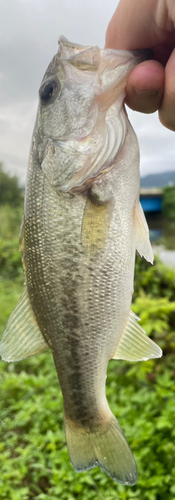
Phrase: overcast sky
(29, 32)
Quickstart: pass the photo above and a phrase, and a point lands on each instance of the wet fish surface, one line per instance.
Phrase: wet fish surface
(82, 225)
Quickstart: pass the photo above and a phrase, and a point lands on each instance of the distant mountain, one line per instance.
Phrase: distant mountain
(158, 180)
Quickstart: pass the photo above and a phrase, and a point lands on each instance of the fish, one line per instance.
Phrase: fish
(82, 225)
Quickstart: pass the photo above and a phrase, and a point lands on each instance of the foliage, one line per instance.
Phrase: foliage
(10, 258)
(157, 280)
(10, 221)
(10, 191)
(168, 239)
(34, 461)
(11, 211)
(168, 206)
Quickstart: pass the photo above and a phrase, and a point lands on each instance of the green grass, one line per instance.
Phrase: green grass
(34, 461)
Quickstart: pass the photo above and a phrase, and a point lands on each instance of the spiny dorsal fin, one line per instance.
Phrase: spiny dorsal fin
(134, 345)
(143, 245)
(95, 227)
(22, 337)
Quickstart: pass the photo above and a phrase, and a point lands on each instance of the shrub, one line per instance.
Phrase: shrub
(168, 206)
(10, 191)
(10, 257)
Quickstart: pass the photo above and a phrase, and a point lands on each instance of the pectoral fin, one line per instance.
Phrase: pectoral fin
(143, 245)
(95, 227)
(134, 345)
(22, 337)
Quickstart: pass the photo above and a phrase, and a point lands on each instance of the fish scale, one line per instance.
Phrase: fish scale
(82, 225)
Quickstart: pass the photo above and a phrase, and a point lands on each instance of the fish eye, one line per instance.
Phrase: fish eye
(48, 91)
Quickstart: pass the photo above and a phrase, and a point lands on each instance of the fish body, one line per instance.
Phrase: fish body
(82, 225)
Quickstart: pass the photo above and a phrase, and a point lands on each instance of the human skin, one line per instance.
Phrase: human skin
(141, 24)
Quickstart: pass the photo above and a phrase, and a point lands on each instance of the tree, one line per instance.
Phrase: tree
(10, 191)
(169, 202)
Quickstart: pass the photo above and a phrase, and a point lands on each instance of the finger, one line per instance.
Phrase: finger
(167, 109)
(163, 51)
(145, 87)
(138, 24)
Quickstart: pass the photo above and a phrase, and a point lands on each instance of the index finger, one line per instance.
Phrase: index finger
(138, 24)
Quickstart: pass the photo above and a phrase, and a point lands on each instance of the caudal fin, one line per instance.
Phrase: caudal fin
(106, 447)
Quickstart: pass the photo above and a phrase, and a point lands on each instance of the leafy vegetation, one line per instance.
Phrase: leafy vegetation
(10, 191)
(34, 461)
(168, 239)
(10, 258)
(11, 211)
(169, 202)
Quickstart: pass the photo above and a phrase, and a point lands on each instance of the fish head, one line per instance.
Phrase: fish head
(81, 121)
(66, 95)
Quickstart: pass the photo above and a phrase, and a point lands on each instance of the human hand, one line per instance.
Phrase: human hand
(140, 24)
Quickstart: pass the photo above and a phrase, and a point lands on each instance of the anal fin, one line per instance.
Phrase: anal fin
(134, 345)
(22, 337)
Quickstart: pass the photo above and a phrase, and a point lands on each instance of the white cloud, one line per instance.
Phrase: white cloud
(16, 126)
(157, 143)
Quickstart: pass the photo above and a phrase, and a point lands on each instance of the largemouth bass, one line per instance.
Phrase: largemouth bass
(82, 225)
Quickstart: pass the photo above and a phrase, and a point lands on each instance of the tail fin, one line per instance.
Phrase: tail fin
(106, 447)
